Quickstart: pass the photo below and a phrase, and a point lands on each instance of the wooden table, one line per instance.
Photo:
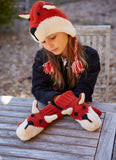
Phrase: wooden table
(62, 140)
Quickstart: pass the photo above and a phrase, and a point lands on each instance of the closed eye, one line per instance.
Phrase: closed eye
(53, 37)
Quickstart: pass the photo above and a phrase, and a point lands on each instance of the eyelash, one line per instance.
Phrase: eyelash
(53, 37)
(50, 38)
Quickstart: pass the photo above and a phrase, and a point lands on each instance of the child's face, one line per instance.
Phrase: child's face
(56, 43)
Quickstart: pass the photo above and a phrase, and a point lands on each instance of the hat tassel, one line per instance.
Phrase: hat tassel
(49, 68)
(77, 66)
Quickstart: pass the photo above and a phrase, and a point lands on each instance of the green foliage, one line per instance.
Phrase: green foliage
(7, 11)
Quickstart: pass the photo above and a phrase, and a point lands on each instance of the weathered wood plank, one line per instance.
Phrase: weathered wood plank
(40, 154)
(88, 40)
(105, 107)
(22, 108)
(16, 108)
(49, 146)
(53, 138)
(71, 132)
(14, 114)
(92, 30)
(8, 119)
(100, 48)
(65, 122)
(16, 100)
(4, 118)
(109, 107)
(114, 151)
(105, 146)
(94, 42)
(69, 140)
(7, 157)
(107, 62)
(81, 39)
(58, 131)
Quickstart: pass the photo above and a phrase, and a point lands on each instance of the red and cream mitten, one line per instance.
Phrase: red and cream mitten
(85, 114)
(37, 121)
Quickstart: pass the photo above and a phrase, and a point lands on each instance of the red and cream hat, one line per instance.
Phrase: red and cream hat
(46, 19)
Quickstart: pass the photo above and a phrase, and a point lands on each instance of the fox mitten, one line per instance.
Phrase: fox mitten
(86, 115)
(37, 121)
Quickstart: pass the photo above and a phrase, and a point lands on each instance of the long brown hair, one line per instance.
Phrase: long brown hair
(72, 78)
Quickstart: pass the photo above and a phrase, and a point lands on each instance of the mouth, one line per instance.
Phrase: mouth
(85, 117)
(54, 50)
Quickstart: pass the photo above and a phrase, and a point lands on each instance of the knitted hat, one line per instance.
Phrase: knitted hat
(45, 19)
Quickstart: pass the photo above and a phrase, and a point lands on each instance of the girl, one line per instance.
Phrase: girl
(62, 70)
(62, 64)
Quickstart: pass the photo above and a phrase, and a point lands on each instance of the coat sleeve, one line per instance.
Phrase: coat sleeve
(88, 78)
(41, 82)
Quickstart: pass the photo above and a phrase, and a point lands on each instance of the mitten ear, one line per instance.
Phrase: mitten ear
(24, 15)
(51, 118)
(67, 111)
(81, 98)
(97, 111)
(35, 107)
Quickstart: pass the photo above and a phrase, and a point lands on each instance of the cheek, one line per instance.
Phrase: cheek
(64, 42)
(44, 45)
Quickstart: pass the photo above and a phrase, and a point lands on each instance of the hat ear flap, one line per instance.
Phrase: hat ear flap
(24, 15)
(35, 108)
(49, 7)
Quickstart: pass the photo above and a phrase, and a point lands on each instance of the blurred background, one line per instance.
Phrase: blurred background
(17, 49)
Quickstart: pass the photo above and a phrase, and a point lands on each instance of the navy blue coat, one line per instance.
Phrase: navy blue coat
(42, 83)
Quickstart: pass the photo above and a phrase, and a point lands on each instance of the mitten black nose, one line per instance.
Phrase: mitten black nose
(86, 118)
(29, 123)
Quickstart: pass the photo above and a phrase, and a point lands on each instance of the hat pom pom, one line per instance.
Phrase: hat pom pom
(49, 68)
(77, 66)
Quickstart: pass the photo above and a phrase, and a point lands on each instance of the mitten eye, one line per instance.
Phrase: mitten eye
(84, 107)
(40, 121)
(76, 113)
(32, 115)
(38, 13)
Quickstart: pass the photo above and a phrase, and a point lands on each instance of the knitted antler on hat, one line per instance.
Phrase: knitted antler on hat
(86, 115)
(37, 121)
(46, 19)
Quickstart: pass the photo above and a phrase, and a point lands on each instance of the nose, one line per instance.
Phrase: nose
(49, 45)
(85, 117)
(33, 33)
(29, 123)
(33, 30)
